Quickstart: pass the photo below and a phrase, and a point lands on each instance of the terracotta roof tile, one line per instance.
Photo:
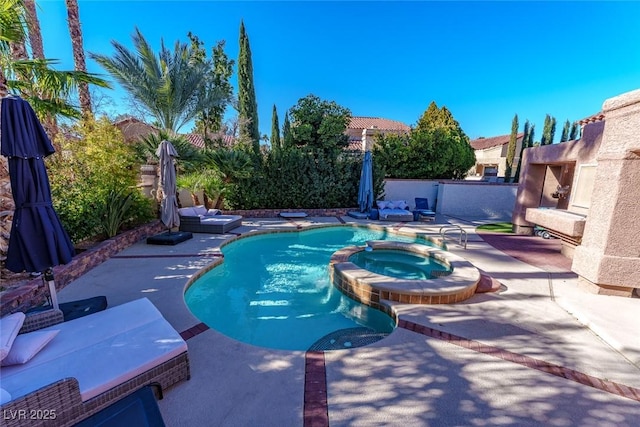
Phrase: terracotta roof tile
(197, 140)
(377, 123)
(591, 119)
(494, 141)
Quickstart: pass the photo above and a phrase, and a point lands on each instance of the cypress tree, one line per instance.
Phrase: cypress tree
(247, 105)
(546, 128)
(525, 144)
(575, 132)
(275, 129)
(511, 149)
(287, 138)
(565, 131)
(548, 131)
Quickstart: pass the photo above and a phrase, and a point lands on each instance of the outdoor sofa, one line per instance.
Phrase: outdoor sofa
(394, 210)
(91, 363)
(198, 219)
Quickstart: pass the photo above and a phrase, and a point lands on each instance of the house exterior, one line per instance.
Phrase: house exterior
(133, 129)
(491, 157)
(374, 125)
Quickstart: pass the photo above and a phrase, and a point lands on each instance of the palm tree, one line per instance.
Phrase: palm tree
(231, 165)
(168, 85)
(75, 31)
(46, 89)
(189, 157)
(33, 26)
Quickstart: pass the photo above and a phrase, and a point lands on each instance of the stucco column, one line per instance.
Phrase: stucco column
(609, 255)
(368, 139)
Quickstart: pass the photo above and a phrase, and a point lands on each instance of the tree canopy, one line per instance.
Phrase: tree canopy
(319, 124)
(436, 148)
(170, 85)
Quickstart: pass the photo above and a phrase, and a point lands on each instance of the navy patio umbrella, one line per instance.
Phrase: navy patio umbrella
(365, 191)
(38, 241)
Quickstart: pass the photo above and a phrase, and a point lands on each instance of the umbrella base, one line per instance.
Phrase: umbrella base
(169, 238)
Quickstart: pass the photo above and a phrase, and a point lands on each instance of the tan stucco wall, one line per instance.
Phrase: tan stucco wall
(534, 168)
(610, 252)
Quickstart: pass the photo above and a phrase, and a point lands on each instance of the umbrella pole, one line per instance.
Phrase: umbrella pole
(48, 277)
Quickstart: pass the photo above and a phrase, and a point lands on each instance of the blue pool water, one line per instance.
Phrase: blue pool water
(400, 264)
(273, 290)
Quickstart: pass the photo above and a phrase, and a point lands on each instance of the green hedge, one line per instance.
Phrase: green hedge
(302, 178)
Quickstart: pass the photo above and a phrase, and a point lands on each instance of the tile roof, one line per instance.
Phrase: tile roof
(133, 129)
(197, 140)
(494, 141)
(377, 123)
(591, 119)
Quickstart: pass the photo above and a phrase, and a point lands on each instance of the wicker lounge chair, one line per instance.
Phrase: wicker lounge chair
(216, 224)
(198, 219)
(55, 386)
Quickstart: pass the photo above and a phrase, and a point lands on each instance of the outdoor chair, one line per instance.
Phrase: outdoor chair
(199, 219)
(422, 210)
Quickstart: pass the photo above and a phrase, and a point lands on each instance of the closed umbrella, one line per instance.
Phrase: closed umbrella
(365, 191)
(166, 152)
(38, 242)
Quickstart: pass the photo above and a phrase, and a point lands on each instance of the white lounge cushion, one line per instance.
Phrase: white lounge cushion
(382, 204)
(9, 327)
(187, 212)
(101, 350)
(219, 219)
(200, 210)
(5, 396)
(385, 213)
(28, 345)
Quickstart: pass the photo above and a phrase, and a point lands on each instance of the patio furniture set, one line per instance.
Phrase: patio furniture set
(398, 210)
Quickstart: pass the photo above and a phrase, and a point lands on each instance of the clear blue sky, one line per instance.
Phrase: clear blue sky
(484, 61)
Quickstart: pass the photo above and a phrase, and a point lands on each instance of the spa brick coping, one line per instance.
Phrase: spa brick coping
(371, 288)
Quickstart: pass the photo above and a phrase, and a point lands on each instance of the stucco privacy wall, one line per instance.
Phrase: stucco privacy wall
(457, 198)
(610, 252)
(477, 199)
(409, 189)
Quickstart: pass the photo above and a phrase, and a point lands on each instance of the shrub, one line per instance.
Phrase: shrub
(302, 178)
(93, 161)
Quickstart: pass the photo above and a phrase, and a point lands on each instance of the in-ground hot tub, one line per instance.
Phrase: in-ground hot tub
(400, 264)
(370, 287)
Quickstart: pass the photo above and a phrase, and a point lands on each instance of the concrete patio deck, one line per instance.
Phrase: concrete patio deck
(542, 351)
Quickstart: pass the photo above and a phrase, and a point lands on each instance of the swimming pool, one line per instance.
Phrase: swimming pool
(273, 290)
